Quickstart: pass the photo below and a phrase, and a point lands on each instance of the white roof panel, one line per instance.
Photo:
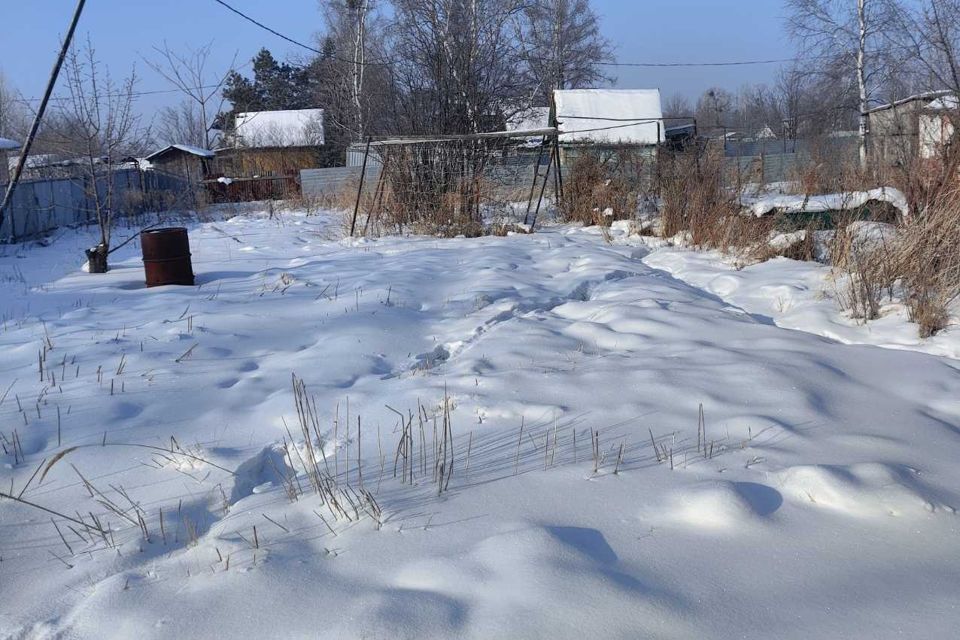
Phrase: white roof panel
(610, 116)
(8, 145)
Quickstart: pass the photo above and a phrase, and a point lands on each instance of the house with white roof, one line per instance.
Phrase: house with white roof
(607, 121)
(271, 144)
(916, 126)
(289, 128)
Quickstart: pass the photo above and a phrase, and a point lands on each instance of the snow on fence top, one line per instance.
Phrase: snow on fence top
(829, 202)
(293, 128)
(610, 116)
(8, 145)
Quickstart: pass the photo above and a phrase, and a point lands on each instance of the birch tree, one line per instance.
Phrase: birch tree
(564, 47)
(846, 30)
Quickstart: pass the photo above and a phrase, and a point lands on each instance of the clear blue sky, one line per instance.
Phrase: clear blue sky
(641, 30)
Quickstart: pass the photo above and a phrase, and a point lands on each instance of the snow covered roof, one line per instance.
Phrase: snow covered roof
(609, 116)
(948, 102)
(927, 95)
(7, 144)
(292, 128)
(186, 148)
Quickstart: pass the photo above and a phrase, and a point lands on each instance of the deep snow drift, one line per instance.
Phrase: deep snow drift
(822, 507)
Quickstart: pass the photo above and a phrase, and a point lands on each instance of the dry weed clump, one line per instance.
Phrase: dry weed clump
(928, 261)
(598, 190)
(829, 166)
(696, 200)
(919, 262)
(865, 259)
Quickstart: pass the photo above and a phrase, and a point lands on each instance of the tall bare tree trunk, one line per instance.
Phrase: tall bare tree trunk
(359, 60)
(862, 80)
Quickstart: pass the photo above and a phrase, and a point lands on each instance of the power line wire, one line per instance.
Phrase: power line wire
(297, 42)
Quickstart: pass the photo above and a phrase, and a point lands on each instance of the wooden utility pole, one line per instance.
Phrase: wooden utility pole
(15, 178)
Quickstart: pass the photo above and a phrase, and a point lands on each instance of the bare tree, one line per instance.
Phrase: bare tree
(97, 124)
(189, 73)
(677, 106)
(930, 31)
(846, 30)
(711, 107)
(564, 46)
(456, 64)
(12, 115)
(354, 76)
(182, 124)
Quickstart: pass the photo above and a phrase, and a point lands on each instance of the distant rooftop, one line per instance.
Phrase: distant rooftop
(186, 148)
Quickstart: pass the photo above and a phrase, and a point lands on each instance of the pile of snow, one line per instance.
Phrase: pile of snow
(540, 344)
(831, 202)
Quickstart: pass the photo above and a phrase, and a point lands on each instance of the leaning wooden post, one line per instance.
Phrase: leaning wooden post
(558, 176)
(35, 126)
(363, 171)
(543, 187)
(536, 176)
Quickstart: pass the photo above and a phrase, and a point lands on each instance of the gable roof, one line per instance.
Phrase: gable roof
(291, 128)
(185, 148)
(919, 97)
(619, 116)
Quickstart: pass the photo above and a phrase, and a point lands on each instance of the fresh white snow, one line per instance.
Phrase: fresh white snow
(824, 506)
(629, 116)
(791, 203)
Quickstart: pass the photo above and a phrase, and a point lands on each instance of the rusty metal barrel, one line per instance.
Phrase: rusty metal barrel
(166, 256)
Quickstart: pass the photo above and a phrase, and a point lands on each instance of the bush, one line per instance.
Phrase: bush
(928, 261)
(598, 190)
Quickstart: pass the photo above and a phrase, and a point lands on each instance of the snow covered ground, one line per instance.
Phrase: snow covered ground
(800, 295)
(824, 505)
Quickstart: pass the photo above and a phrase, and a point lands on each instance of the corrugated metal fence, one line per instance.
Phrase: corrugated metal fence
(774, 160)
(331, 182)
(42, 205)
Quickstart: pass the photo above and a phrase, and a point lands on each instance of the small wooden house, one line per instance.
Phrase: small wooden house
(183, 161)
(905, 129)
(272, 144)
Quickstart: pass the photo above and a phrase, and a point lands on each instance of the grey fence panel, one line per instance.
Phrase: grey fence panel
(329, 182)
(39, 206)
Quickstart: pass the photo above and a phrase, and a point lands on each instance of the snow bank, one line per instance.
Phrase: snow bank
(802, 295)
(831, 202)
